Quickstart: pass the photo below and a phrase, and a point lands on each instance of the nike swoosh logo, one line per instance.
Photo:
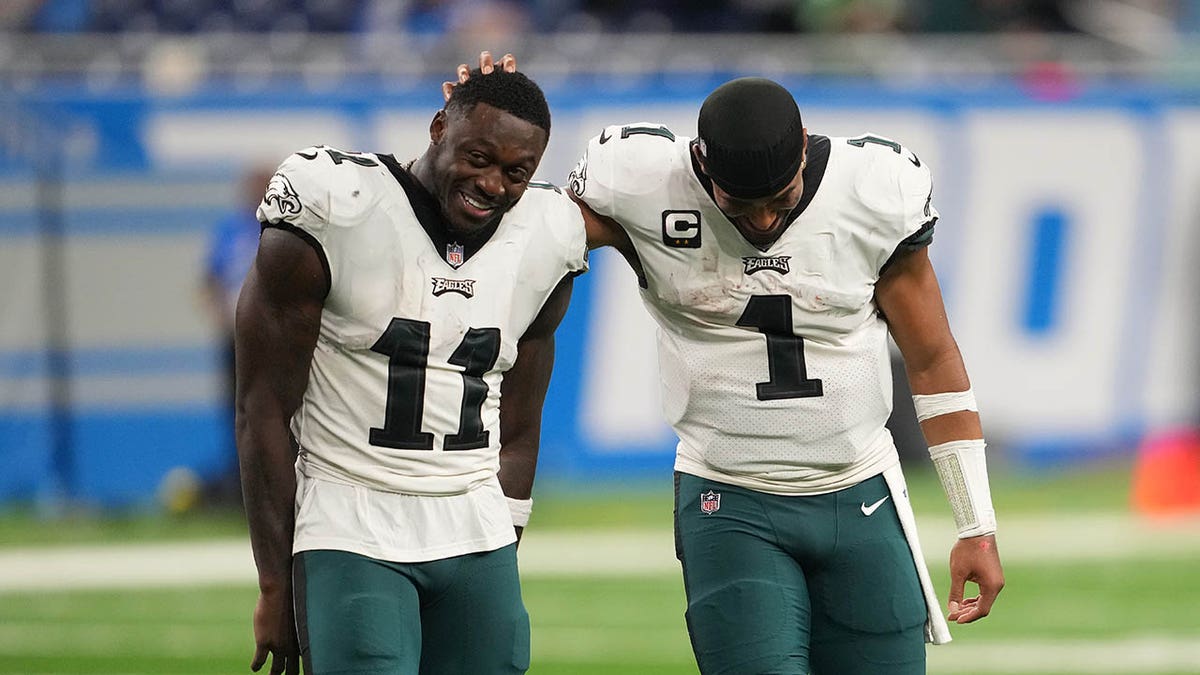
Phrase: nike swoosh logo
(916, 161)
(306, 156)
(868, 510)
(604, 137)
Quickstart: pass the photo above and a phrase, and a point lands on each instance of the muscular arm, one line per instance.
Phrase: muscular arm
(522, 394)
(911, 301)
(278, 318)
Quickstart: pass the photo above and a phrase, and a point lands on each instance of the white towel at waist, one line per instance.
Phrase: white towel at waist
(936, 630)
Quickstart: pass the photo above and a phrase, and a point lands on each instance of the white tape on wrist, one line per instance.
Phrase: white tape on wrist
(520, 510)
(962, 468)
(932, 405)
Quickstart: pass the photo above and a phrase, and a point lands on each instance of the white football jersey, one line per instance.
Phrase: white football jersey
(774, 364)
(404, 390)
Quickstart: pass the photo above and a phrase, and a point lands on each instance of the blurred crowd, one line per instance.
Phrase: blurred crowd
(544, 16)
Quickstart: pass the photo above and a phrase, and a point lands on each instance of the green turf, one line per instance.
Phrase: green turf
(581, 626)
(1092, 600)
(22, 526)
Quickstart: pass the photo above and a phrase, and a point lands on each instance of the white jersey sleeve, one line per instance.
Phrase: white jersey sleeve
(311, 194)
(624, 163)
(565, 224)
(896, 187)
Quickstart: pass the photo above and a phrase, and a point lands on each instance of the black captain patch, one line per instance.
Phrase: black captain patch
(681, 229)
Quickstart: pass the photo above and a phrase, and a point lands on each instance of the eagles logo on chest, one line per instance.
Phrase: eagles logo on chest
(777, 263)
(464, 287)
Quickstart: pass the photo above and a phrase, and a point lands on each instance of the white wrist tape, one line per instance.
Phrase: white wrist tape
(962, 468)
(520, 510)
(932, 405)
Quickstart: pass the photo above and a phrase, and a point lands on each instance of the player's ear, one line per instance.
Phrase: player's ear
(437, 127)
(699, 157)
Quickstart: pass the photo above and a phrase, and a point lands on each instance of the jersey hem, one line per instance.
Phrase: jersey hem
(837, 480)
(318, 470)
(412, 556)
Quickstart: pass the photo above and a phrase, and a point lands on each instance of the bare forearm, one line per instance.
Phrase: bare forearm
(522, 395)
(518, 464)
(521, 418)
(267, 460)
(945, 372)
(279, 313)
(940, 370)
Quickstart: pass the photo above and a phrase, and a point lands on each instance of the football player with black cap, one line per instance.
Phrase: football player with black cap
(754, 157)
(776, 263)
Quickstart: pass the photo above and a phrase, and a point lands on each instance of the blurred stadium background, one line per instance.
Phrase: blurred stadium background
(1065, 142)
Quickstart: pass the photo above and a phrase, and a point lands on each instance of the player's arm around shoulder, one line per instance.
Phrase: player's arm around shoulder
(278, 320)
(591, 185)
(910, 299)
(522, 396)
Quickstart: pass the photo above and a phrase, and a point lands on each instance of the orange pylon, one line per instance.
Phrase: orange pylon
(1166, 476)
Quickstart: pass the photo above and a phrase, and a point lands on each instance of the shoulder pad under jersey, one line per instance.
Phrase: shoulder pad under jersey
(321, 187)
(629, 159)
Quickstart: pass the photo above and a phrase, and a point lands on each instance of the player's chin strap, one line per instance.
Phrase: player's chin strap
(961, 466)
(520, 510)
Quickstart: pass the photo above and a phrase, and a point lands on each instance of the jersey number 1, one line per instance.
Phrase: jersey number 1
(772, 316)
(406, 344)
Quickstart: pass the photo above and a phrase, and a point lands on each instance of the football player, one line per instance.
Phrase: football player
(391, 307)
(775, 263)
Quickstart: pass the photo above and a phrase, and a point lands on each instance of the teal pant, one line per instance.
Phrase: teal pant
(457, 616)
(796, 585)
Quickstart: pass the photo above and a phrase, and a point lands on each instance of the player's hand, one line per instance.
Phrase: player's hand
(275, 633)
(508, 63)
(974, 559)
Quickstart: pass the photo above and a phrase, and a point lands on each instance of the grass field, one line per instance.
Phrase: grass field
(1121, 599)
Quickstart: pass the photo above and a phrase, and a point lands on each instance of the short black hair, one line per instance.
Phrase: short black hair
(513, 93)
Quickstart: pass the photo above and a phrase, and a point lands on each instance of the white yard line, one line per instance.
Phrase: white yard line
(1044, 540)
(1149, 654)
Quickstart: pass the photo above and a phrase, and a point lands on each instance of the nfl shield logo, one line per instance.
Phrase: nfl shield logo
(710, 501)
(454, 255)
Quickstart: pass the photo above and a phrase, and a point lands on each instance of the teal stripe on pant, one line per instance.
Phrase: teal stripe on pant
(798, 585)
(461, 615)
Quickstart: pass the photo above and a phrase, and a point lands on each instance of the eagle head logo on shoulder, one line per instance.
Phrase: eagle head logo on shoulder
(282, 195)
(777, 263)
(464, 287)
(577, 180)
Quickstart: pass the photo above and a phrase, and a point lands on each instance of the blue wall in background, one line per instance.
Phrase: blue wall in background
(146, 397)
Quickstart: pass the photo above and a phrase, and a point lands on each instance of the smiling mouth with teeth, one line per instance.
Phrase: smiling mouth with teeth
(476, 204)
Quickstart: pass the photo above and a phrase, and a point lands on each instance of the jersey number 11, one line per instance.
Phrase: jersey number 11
(406, 344)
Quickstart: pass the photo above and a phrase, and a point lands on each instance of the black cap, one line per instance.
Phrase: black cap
(751, 137)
